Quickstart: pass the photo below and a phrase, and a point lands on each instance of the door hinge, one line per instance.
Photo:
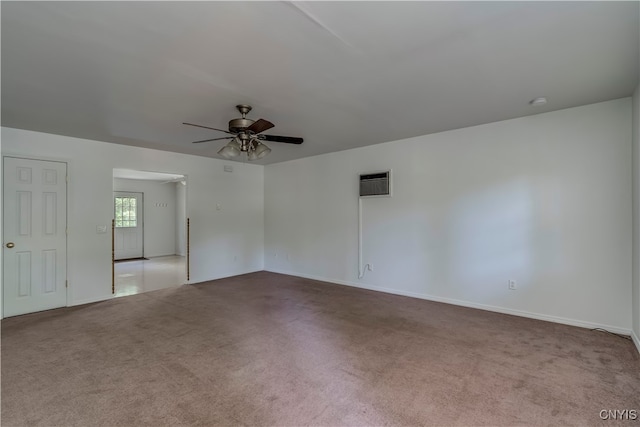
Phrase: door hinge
(66, 283)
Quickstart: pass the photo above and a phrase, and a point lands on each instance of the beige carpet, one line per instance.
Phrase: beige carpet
(272, 350)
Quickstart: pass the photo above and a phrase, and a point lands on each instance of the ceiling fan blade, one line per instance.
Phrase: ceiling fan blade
(207, 127)
(260, 125)
(214, 139)
(285, 139)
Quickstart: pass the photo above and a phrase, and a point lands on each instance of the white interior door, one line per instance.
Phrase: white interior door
(35, 236)
(128, 232)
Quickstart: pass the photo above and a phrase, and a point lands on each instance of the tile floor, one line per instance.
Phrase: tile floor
(135, 277)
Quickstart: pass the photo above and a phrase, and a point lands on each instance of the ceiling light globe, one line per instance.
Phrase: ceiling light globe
(235, 144)
(262, 150)
(229, 151)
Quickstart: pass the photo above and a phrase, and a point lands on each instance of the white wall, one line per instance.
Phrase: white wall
(217, 236)
(1, 238)
(181, 220)
(544, 200)
(636, 217)
(159, 214)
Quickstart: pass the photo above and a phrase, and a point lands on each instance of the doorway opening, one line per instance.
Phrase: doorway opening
(149, 231)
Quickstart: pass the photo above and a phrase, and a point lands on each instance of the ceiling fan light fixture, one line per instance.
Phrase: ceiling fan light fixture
(261, 150)
(235, 144)
(247, 136)
(231, 150)
(251, 156)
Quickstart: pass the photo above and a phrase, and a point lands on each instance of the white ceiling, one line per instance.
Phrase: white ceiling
(339, 74)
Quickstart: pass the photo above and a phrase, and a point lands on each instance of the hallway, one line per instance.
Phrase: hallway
(136, 277)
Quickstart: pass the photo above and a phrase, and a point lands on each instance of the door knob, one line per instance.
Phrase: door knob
(10, 245)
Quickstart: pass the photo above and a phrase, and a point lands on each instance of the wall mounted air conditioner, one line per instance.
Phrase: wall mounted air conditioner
(375, 184)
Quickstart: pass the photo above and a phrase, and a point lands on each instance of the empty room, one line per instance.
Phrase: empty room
(320, 213)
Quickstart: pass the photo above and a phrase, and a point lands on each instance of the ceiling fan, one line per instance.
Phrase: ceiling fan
(247, 136)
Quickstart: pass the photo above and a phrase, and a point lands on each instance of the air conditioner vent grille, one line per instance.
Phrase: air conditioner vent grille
(375, 184)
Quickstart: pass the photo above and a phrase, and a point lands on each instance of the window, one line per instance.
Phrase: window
(126, 212)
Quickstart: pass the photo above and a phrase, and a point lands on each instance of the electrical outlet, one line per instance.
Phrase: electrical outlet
(513, 285)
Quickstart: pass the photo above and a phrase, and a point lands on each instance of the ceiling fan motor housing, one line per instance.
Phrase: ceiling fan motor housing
(238, 125)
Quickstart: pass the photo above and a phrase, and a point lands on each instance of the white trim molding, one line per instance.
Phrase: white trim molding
(636, 340)
(91, 300)
(496, 309)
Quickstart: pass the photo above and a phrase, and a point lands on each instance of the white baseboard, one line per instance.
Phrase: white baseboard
(503, 310)
(636, 340)
(110, 296)
(90, 300)
(224, 276)
(159, 255)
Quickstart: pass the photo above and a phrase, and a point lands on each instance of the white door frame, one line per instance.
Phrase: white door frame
(68, 185)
